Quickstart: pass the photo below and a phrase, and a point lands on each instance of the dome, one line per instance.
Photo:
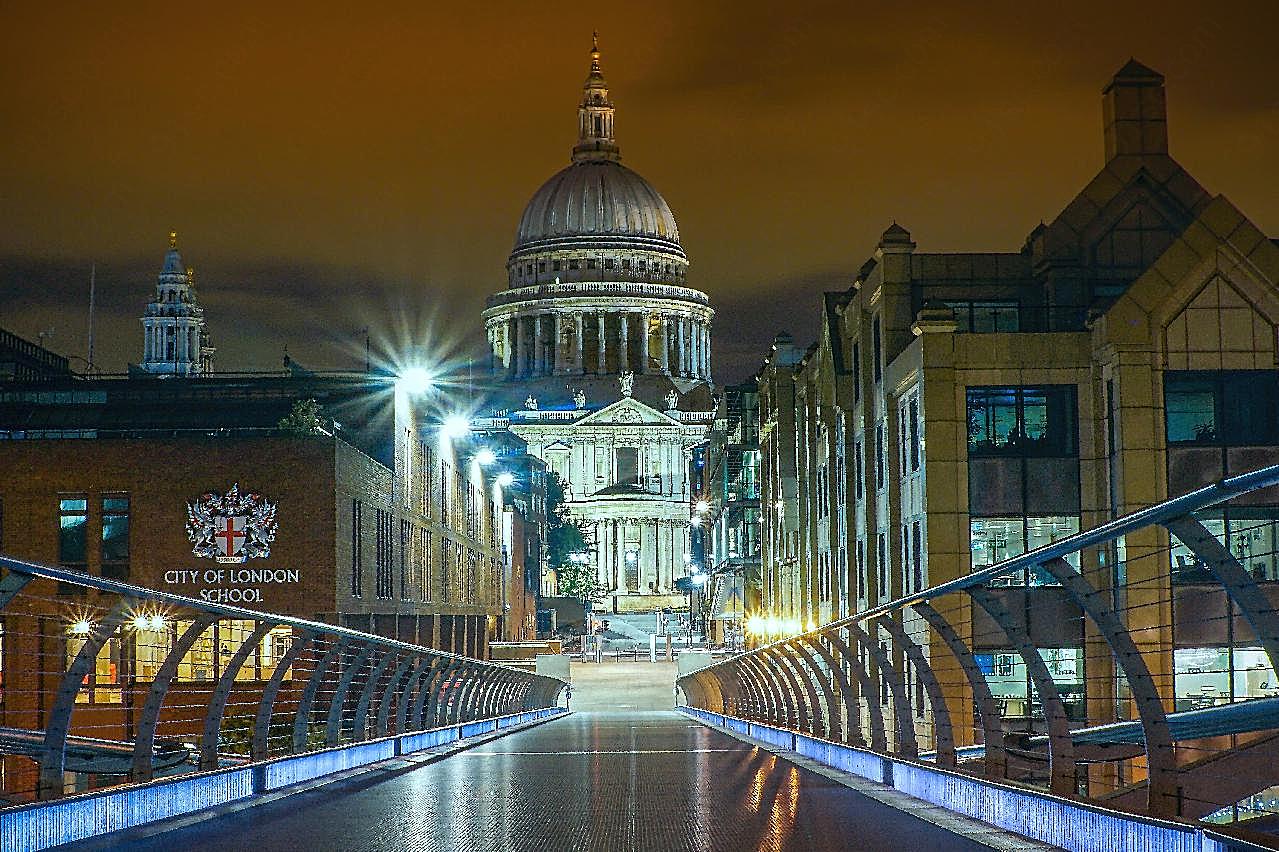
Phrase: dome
(596, 198)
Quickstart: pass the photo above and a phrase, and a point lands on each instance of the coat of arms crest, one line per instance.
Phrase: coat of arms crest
(231, 527)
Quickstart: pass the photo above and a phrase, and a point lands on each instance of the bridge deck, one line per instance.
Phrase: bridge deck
(638, 780)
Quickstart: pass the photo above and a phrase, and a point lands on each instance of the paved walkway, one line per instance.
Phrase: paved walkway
(623, 772)
(591, 781)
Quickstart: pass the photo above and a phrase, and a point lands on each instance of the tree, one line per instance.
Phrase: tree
(305, 418)
(567, 549)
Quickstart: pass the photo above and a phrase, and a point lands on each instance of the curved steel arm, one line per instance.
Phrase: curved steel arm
(262, 725)
(943, 731)
(987, 707)
(213, 718)
(1061, 748)
(907, 744)
(144, 740)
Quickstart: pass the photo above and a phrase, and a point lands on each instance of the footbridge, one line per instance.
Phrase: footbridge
(1114, 690)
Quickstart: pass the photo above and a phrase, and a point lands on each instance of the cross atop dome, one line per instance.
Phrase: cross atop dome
(595, 115)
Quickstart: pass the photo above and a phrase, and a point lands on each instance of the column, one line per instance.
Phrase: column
(665, 360)
(681, 350)
(623, 320)
(539, 346)
(578, 364)
(557, 347)
(599, 345)
(706, 351)
(698, 343)
(643, 364)
(521, 348)
(601, 556)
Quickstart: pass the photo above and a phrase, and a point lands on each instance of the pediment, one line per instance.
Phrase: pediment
(627, 411)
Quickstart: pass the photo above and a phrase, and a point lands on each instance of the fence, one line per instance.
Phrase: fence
(107, 684)
(1131, 665)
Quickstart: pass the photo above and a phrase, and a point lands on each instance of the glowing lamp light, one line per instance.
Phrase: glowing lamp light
(414, 381)
(142, 622)
(696, 520)
(456, 426)
(486, 457)
(82, 627)
(506, 479)
(702, 506)
(699, 579)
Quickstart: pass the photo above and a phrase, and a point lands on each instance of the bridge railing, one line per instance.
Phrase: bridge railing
(1132, 664)
(106, 683)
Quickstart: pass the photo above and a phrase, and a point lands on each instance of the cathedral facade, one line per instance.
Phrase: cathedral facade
(600, 356)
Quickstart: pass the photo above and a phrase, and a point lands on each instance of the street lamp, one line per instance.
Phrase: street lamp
(456, 426)
(486, 457)
(414, 381)
(506, 479)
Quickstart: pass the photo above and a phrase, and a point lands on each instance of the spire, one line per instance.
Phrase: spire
(595, 115)
(172, 259)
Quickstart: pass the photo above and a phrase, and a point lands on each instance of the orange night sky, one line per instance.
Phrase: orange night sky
(334, 166)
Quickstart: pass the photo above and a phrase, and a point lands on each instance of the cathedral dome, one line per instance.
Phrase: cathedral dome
(596, 197)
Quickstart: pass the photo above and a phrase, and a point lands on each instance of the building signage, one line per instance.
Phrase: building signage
(231, 527)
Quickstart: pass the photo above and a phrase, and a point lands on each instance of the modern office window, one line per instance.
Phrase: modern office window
(986, 317)
(1010, 682)
(406, 552)
(995, 540)
(1022, 421)
(115, 536)
(1208, 677)
(73, 520)
(1233, 408)
(1251, 534)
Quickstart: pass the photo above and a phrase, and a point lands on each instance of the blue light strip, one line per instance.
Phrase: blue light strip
(1075, 826)
(41, 825)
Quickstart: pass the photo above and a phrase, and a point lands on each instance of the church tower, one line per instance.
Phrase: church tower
(175, 342)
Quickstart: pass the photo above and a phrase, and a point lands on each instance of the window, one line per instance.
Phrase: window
(879, 457)
(986, 317)
(857, 467)
(877, 342)
(384, 554)
(1010, 682)
(1251, 534)
(857, 372)
(627, 460)
(918, 562)
(861, 569)
(881, 555)
(102, 684)
(995, 540)
(1032, 421)
(73, 523)
(914, 433)
(213, 650)
(115, 536)
(357, 548)
(1235, 408)
(555, 265)
(406, 533)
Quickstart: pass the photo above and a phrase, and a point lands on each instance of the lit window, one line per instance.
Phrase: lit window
(73, 522)
(1032, 421)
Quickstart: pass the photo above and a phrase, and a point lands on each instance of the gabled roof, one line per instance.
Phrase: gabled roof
(628, 411)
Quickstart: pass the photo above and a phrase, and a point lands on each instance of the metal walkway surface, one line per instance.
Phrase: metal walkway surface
(644, 780)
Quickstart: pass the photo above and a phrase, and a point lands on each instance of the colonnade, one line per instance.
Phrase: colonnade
(640, 555)
(600, 342)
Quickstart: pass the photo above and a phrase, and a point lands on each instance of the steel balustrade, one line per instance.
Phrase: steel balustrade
(146, 684)
(851, 680)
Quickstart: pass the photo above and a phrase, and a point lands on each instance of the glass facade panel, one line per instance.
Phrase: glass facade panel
(1031, 421)
(994, 540)
(1201, 677)
(102, 684)
(1224, 407)
(115, 529)
(73, 522)
(1252, 536)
